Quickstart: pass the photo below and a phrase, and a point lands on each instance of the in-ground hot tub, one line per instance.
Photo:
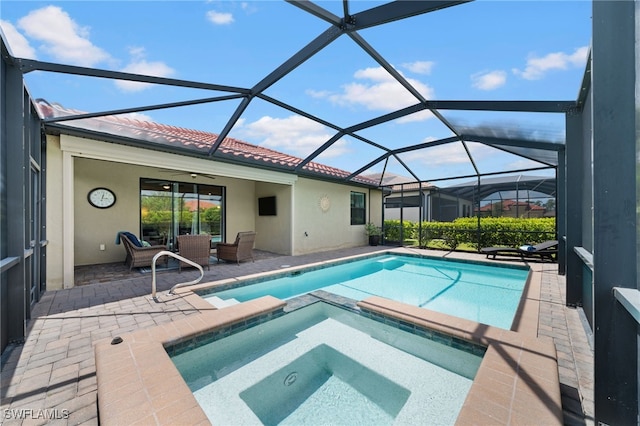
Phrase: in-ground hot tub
(324, 365)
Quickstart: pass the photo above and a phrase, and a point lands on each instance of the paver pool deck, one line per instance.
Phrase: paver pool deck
(53, 373)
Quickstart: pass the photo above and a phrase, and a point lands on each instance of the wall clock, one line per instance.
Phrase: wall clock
(101, 198)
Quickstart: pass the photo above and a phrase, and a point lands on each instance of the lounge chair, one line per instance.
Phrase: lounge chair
(139, 255)
(196, 248)
(241, 249)
(544, 251)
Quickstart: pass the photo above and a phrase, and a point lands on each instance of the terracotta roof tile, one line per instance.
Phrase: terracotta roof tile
(508, 205)
(196, 140)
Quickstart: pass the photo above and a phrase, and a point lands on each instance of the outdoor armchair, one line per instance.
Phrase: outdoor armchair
(241, 249)
(545, 250)
(196, 248)
(139, 255)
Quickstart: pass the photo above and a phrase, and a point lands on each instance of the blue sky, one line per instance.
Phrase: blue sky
(484, 50)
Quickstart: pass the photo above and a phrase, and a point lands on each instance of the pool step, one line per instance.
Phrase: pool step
(220, 303)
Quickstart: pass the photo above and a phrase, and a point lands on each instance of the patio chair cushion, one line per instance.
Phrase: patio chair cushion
(134, 240)
(139, 256)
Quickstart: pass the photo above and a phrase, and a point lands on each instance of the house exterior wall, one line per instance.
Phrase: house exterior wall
(321, 226)
(273, 233)
(409, 213)
(78, 230)
(436, 207)
(53, 221)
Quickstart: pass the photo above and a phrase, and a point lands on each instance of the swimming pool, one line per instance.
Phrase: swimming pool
(324, 365)
(476, 291)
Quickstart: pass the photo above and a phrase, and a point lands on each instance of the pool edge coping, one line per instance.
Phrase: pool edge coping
(518, 377)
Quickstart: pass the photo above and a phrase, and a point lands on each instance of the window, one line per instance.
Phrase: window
(358, 208)
(397, 202)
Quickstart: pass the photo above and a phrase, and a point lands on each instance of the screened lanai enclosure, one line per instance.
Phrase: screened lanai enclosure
(321, 83)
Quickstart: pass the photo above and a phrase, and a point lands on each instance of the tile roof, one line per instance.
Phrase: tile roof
(194, 141)
(399, 183)
(508, 205)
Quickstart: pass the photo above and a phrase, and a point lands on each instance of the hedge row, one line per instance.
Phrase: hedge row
(493, 231)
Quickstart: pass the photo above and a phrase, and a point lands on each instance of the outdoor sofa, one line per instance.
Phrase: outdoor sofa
(543, 251)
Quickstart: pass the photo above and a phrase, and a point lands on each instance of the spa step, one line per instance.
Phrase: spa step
(220, 303)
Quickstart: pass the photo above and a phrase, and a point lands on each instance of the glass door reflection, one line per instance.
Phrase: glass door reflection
(169, 209)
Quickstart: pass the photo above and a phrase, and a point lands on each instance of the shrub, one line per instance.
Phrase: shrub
(393, 230)
(494, 231)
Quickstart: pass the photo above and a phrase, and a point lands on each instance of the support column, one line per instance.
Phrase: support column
(561, 212)
(615, 161)
(574, 206)
(68, 220)
(17, 161)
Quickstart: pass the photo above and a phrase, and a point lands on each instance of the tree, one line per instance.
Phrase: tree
(551, 205)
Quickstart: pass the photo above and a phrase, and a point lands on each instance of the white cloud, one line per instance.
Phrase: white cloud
(138, 116)
(489, 80)
(377, 90)
(419, 67)
(139, 65)
(416, 116)
(62, 37)
(444, 155)
(522, 164)
(318, 94)
(249, 7)
(18, 44)
(537, 67)
(219, 18)
(294, 135)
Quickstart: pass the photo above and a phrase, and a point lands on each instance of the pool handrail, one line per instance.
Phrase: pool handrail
(180, 258)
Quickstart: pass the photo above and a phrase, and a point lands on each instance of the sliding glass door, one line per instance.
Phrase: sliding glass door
(169, 209)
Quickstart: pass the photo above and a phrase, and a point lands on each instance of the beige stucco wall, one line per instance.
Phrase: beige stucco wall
(95, 226)
(274, 232)
(239, 207)
(317, 229)
(54, 214)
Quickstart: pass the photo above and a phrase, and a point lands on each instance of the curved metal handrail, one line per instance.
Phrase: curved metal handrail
(180, 258)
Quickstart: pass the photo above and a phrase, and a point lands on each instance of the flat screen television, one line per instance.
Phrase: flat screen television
(267, 206)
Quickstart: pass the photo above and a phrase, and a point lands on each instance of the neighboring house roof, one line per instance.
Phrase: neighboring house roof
(508, 205)
(192, 205)
(399, 183)
(194, 141)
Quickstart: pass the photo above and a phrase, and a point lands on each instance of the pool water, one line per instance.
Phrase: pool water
(324, 365)
(324, 383)
(479, 292)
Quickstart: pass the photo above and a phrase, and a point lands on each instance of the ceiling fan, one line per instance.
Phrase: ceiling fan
(193, 175)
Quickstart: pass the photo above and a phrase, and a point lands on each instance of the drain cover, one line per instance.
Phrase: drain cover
(290, 379)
